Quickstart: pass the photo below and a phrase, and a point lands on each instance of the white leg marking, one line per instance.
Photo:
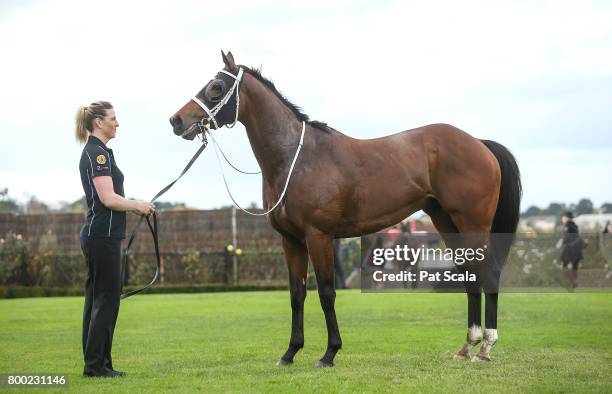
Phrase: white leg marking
(490, 338)
(474, 335)
(473, 338)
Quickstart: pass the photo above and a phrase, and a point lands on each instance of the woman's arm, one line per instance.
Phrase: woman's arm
(111, 200)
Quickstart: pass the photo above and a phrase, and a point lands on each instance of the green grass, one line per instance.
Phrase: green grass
(392, 342)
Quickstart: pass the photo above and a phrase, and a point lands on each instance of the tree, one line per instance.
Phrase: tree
(7, 204)
(34, 205)
(532, 211)
(169, 206)
(584, 206)
(78, 206)
(555, 208)
(606, 207)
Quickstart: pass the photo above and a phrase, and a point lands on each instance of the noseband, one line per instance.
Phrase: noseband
(210, 113)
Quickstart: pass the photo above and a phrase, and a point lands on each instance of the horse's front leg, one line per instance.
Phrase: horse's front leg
(320, 250)
(297, 262)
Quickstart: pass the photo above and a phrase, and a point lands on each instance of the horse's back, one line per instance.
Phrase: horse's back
(400, 171)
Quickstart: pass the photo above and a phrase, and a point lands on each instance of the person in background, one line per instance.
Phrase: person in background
(572, 247)
(101, 235)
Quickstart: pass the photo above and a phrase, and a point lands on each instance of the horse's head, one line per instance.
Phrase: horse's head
(215, 105)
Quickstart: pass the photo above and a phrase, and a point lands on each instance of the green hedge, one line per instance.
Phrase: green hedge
(23, 292)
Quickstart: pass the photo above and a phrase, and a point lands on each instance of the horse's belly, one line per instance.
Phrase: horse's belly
(378, 215)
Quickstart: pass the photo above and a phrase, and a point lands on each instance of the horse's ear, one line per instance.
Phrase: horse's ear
(228, 59)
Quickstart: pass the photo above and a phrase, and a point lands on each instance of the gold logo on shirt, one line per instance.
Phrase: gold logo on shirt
(101, 159)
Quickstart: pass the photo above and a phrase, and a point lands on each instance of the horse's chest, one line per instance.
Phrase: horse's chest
(282, 223)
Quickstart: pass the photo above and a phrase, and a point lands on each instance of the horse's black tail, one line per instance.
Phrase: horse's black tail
(507, 214)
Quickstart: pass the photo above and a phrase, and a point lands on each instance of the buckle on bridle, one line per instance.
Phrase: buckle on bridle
(202, 134)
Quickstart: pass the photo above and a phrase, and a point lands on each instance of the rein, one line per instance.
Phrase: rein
(153, 227)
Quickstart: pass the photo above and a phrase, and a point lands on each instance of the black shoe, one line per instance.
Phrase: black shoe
(119, 374)
(107, 373)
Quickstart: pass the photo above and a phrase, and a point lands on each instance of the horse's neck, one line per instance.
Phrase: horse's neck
(273, 131)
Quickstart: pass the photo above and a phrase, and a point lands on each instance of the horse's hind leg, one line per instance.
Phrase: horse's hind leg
(320, 250)
(491, 288)
(490, 336)
(474, 331)
(297, 262)
(445, 225)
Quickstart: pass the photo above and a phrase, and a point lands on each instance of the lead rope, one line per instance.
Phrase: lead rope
(153, 227)
(286, 182)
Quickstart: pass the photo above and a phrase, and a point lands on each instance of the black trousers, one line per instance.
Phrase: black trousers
(102, 297)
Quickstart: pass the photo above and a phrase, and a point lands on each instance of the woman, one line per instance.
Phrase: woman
(102, 234)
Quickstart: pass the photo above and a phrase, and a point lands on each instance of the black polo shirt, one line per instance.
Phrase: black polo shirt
(101, 222)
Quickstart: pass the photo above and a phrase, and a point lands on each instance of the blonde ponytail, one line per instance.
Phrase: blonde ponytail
(81, 130)
(85, 117)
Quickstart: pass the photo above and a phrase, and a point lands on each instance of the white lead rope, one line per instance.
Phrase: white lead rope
(297, 153)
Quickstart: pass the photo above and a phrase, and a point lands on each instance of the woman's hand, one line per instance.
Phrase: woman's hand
(143, 207)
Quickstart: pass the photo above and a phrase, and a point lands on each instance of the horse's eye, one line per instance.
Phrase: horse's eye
(214, 91)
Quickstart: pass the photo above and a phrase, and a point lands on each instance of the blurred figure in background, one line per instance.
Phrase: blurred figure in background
(571, 252)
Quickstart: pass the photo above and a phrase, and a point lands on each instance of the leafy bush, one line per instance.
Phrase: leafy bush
(13, 260)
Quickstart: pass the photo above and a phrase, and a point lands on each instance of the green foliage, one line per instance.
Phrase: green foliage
(534, 262)
(194, 267)
(38, 262)
(34, 205)
(584, 206)
(29, 292)
(7, 204)
(266, 267)
(167, 205)
(532, 211)
(78, 206)
(606, 207)
(13, 263)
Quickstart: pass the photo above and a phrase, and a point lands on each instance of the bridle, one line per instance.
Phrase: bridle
(211, 113)
(209, 116)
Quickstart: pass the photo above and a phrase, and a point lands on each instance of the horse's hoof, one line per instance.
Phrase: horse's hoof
(324, 364)
(283, 362)
(478, 358)
(461, 357)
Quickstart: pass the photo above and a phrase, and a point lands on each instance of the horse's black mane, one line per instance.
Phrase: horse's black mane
(294, 108)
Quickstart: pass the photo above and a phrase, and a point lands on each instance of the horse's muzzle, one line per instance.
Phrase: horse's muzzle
(177, 124)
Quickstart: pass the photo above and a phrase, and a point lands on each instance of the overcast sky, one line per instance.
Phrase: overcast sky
(534, 76)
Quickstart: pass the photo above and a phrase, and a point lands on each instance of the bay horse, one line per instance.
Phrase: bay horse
(346, 187)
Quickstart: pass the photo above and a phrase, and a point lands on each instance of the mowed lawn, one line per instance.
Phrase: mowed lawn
(392, 342)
